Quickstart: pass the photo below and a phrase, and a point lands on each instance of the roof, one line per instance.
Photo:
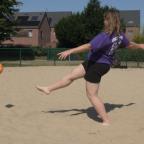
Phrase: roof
(55, 17)
(29, 19)
(131, 18)
(33, 19)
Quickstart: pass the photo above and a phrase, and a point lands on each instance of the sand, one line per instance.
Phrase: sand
(28, 116)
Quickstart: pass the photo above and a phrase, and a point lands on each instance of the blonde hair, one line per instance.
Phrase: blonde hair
(113, 22)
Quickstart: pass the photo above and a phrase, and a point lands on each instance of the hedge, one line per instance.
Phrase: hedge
(130, 55)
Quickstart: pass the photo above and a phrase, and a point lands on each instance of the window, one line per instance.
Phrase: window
(130, 22)
(34, 18)
(22, 19)
(41, 35)
(30, 33)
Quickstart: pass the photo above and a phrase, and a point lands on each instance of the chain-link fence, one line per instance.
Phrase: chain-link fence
(37, 57)
(48, 56)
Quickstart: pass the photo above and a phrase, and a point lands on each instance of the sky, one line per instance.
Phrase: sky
(79, 5)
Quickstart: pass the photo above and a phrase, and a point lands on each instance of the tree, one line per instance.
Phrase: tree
(7, 10)
(93, 14)
(70, 31)
(94, 18)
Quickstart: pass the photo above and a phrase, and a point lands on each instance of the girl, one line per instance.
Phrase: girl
(100, 57)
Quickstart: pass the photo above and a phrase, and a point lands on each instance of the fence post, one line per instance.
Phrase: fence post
(20, 57)
(48, 54)
(55, 57)
(69, 58)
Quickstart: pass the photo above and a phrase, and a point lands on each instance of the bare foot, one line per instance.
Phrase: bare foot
(105, 123)
(43, 89)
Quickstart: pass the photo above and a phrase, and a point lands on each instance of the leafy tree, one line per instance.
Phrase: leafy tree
(7, 10)
(70, 31)
(123, 26)
(93, 14)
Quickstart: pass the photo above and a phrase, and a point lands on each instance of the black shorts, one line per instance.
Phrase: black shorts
(94, 71)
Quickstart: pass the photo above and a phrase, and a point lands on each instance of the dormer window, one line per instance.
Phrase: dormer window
(34, 18)
(130, 22)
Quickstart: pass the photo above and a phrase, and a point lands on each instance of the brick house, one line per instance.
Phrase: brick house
(33, 30)
(37, 28)
(131, 19)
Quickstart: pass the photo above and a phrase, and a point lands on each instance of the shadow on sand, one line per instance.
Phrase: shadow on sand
(91, 113)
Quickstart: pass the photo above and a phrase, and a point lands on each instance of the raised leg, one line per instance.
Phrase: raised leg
(77, 73)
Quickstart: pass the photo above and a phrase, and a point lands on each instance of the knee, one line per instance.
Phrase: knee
(91, 95)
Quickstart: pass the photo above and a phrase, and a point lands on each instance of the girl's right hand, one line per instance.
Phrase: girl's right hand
(64, 54)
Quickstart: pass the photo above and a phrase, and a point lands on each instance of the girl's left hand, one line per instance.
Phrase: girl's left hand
(64, 54)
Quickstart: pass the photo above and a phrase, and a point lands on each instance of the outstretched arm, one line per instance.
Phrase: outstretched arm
(79, 49)
(134, 45)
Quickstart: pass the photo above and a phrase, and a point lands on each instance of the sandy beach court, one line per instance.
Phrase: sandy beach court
(28, 116)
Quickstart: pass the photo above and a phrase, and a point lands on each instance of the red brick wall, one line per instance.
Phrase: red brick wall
(54, 40)
(44, 34)
(25, 40)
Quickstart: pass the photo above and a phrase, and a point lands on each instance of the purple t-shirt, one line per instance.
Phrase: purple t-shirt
(103, 47)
